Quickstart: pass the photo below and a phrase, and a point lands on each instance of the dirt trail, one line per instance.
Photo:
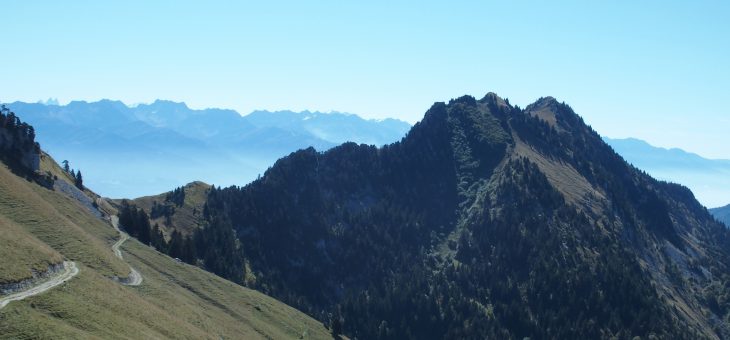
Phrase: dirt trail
(135, 278)
(70, 270)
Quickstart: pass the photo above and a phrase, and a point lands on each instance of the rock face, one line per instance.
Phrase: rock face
(14, 287)
(485, 221)
(17, 143)
(27, 158)
(74, 192)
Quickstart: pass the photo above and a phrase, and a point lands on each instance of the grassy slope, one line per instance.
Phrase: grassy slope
(59, 222)
(175, 300)
(50, 166)
(24, 253)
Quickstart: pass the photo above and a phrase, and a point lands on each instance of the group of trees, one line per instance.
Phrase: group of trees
(75, 175)
(17, 140)
(136, 223)
(173, 199)
(176, 196)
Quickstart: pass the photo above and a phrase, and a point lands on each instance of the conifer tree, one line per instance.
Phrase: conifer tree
(79, 181)
(176, 245)
(158, 240)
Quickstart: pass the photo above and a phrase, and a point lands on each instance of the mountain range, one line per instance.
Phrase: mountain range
(485, 221)
(709, 179)
(148, 148)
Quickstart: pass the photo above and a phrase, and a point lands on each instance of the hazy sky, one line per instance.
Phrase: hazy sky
(656, 70)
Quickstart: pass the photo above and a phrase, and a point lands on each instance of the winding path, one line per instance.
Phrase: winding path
(135, 278)
(70, 270)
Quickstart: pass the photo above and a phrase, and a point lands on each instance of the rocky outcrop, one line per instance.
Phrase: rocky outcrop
(19, 286)
(134, 278)
(74, 192)
(17, 142)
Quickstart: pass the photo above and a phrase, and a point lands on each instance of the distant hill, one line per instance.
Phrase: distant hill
(485, 221)
(709, 179)
(722, 214)
(47, 229)
(149, 148)
(185, 216)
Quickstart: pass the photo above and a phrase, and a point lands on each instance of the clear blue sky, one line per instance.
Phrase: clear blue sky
(656, 70)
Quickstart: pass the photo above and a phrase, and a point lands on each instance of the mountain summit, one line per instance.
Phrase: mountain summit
(485, 221)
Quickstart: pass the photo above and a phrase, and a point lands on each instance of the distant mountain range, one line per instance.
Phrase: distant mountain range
(709, 179)
(128, 151)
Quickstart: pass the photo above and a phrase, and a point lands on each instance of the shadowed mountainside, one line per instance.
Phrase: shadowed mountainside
(485, 221)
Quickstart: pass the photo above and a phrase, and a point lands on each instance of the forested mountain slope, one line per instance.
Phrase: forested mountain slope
(485, 221)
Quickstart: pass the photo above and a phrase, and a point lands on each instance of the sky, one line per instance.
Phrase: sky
(655, 70)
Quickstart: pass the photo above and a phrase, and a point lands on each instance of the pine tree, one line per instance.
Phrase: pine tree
(143, 226)
(176, 245)
(336, 327)
(79, 181)
(188, 250)
(158, 240)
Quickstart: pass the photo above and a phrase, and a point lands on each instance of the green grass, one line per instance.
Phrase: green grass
(48, 165)
(174, 301)
(23, 253)
(60, 223)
